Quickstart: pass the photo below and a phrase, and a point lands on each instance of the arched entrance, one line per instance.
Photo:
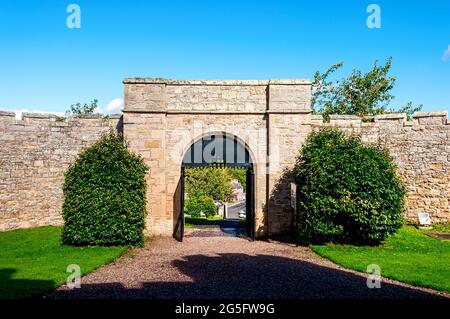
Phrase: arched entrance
(219, 150)
(164, 118)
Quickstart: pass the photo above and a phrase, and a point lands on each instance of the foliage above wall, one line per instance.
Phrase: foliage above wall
(104, 196)
(83, 109)
(362, 94)
(347, 191)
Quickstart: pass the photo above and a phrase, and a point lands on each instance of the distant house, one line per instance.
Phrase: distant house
(238, 192)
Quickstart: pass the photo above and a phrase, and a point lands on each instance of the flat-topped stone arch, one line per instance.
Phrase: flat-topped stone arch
(162, 118)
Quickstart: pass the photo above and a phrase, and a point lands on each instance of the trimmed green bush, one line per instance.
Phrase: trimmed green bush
(197, 203)
(347, 191)
(104, 196)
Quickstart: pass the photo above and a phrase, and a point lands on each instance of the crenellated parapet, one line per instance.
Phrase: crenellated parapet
(36, 150)
(400, 119)
(163, 118)
(420, 148)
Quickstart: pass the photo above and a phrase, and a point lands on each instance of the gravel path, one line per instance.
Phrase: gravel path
(209, 264)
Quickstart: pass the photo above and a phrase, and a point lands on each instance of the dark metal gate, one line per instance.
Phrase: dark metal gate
(179, 226)
(249, 204)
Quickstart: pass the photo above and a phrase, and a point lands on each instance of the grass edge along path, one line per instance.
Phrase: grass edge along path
(33, 261)
(409, 256)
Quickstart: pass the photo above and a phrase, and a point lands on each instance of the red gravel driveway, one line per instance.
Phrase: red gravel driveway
(209, 264)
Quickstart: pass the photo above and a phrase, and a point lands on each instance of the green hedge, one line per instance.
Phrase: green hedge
(104, 196)
(347, 191)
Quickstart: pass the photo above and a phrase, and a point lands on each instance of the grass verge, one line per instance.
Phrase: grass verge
(33, 261)
(408, 256)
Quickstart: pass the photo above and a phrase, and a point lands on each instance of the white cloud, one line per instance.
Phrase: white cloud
(113, 107)
(446, 55)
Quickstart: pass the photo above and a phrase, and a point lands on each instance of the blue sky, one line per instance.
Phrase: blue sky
(46, 66)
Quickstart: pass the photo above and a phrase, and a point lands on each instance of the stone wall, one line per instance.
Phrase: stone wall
(175, 96)
(34, 154)
(421, 150)
(162, 118)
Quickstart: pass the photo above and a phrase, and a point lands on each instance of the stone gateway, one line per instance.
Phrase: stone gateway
(162, 120)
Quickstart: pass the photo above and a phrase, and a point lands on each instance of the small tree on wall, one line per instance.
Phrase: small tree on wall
(347, 190)
(104, 196)
(83, 109)
(362, 94)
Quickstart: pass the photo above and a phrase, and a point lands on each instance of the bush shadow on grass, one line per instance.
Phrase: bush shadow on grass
(11, 288)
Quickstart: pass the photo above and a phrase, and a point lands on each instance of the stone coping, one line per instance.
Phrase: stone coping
(388, 116)
(40, 115)
(7, 113)
(344, 117)
(50, 116)
(36, 115)
(216, 112)
(430, 114)
(217, 82)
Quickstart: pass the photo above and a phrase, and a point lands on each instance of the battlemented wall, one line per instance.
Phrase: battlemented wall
(34, 154)
(421, 150)
(161, 120)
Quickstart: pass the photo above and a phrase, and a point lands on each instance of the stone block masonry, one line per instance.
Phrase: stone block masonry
(161, 120)
(34, 154)
(421, 150)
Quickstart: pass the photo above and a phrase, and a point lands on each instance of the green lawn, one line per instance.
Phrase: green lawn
(33, 261)
(409, 256)
(189, 222)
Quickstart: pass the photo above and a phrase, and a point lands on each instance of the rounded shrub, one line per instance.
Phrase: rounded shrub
(347, 191)
(198, 203)
(104, 196)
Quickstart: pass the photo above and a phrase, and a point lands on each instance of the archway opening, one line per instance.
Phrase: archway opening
(218, 151)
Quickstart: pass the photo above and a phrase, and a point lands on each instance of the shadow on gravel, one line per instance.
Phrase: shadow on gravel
(245, 276)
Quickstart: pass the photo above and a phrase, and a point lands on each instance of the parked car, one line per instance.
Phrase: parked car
(242, 213)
